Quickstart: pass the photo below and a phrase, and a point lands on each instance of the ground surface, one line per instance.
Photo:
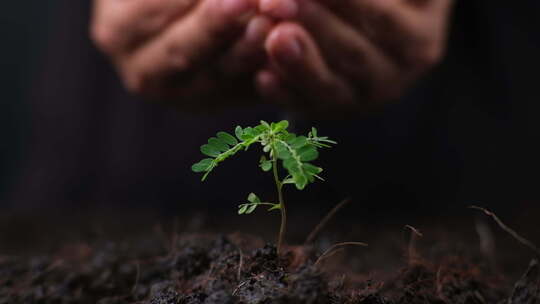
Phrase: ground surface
(160, 267)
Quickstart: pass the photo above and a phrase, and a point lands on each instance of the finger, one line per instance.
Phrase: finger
(280, 9)
(357, 11)
(187, 44)
(372, 18)
(300, 64)
(408, 31)
(350, 53)
(430, 5)
(429, 23)
(122, 25)
(248, 54)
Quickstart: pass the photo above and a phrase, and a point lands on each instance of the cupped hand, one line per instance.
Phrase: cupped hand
(349, 54)
(182, 50)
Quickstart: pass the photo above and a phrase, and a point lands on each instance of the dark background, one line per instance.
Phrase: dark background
(25, 26)
(468, 133)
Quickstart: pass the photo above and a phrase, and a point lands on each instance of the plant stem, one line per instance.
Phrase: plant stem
(282, 209)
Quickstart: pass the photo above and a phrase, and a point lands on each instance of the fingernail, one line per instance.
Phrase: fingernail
(235, 7)
(285, 9)
(257, 29)
(289, 51)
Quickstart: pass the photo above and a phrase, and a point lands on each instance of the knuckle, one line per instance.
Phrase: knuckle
(428, 55)
(178, 62)
(136, 82)
(104, 37)
(214, 23)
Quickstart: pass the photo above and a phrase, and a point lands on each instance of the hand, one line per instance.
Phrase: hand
(350, 54)
(182, 50)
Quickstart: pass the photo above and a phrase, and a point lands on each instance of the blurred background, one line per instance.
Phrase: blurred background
(72, 138)
(25, 29)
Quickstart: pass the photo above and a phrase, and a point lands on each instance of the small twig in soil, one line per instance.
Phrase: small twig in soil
(414, 230)
(526, 289)
(239, 286)
(313, 235)
(415, 234)
(331, 251)
(240, 263)
(509, 230)
(329, 255)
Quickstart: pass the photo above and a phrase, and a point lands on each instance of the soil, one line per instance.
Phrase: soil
(211, 268)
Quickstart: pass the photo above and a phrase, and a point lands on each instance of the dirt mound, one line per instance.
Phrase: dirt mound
(202, 269)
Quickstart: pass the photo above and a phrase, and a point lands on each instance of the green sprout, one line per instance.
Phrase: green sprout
(294, 152)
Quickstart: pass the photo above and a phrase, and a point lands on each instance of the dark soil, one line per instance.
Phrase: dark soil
(212, 269)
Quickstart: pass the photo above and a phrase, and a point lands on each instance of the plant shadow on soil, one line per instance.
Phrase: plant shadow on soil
(157, 266)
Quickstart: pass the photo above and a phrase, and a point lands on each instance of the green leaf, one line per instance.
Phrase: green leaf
(239, 132)
(282, 151)
(289, 136)
(289, 180)
(308, 153)
(218, 144)
(251, 208)
(300, 181)
(292, 166)
(280, 126)
(203, 165)
(253, 198)
(227, 138)
(318, 177)
(330, 141)
(210, 150)
(242, 209)
(294, 152)
(275, 207)
(311, 169)
(265, 125)
(260, 129)
(248, 134)
(298, 142)
(321, 142)
(266, 165)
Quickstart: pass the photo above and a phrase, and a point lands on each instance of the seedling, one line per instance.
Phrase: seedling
(279, 146)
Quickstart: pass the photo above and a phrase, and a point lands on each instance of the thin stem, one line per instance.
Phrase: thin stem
(283, 209)
(509, 230)
(311, 237)
(330, 251)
